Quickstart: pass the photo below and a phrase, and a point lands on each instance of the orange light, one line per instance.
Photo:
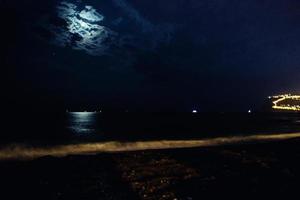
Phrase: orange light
(284, 97)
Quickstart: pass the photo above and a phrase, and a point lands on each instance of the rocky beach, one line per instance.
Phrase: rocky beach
(249, 170)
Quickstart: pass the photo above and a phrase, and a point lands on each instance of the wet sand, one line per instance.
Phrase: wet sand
(251, 170)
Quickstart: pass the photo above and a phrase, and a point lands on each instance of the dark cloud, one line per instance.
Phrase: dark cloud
(82, 26)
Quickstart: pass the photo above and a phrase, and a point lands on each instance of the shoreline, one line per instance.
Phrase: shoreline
(23, 152)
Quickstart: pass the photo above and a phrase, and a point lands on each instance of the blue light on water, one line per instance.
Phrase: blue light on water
(82, 123)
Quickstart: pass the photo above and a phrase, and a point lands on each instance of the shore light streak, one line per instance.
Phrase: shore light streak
(15, 152)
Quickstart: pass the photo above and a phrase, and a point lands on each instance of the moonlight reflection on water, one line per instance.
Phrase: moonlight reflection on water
(82, 123)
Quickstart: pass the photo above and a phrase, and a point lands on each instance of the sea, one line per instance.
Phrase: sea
(80, 127)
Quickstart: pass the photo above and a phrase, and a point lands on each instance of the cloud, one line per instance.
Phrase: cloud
(134, 14)
(83, 30)
(81, 27)
(156, 34)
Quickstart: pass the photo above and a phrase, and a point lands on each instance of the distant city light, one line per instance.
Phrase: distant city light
(249, 111)
(281, 98)
(195, 111)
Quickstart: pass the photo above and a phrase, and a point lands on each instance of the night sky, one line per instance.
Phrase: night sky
(153, 55)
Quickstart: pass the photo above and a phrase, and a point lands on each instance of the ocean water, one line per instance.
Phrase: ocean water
(77, 127)
(177, 126)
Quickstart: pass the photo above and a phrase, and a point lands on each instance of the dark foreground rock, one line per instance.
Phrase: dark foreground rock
(73, 177)
(266, 170)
